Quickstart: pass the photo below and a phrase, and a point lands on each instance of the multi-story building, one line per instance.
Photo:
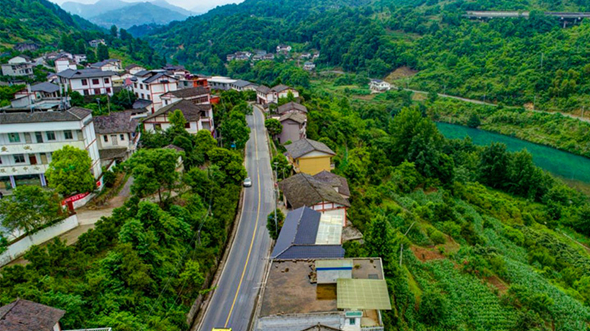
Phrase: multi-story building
(88, 81)
(151, 85)
(108, 65)
(65, 63)
(195, 94)
(28, 139)
(18, 66)
(198, 117)
(116, 135)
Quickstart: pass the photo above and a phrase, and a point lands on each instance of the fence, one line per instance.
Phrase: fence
(19, 248)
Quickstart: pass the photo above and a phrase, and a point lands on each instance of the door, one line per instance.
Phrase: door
(114, 140)
(43, 158)
(28, 138)
(33, 159)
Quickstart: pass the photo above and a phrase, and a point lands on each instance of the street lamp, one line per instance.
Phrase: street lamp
(276, 199)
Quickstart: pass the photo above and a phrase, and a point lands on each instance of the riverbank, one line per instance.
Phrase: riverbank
(552, 130)
(572, 169)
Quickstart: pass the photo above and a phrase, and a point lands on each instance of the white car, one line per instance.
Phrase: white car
(247, 182)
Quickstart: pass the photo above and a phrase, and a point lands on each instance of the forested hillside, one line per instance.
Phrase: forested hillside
(37, 21)
(50, 27)
(513, 61)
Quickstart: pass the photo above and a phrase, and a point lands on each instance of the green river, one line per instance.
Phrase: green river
(573, 169)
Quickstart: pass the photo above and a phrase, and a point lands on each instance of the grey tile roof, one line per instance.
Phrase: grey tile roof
(190, 110)
(263, 89)
(297, 237)
(103, 63)
(85, 73)
(334, 180)
(115, 122)
(131, 66)
(304, 190)
(70, 115)
(142, 73)
(291, 106)
(305, 146)
(280, 88)
(297, 117)
(45, 87)
(24, 315)
(141, 103)
(242, 83)
(189, 92)
(157, 76)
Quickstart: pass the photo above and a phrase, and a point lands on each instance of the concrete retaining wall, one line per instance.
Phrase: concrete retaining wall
(19, 248)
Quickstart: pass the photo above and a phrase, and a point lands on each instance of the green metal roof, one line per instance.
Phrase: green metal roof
(362, 294)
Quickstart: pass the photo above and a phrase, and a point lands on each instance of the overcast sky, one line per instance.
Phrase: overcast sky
(201, 5)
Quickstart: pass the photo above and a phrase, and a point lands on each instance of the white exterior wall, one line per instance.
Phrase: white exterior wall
(285, 93)
(154, 91)
(64, 65)
(83, 137)
(20, 247)
(76, 85)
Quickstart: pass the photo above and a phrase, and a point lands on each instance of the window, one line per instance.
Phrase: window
(84, 82)
(108, 90)
(106, 81)
(135, 85)
(14, 137)
(68, 134)
(148, 97)
(187, 125)
(95, 81)
(105, 138)
(122, 137)
(50, 135)
(141, 86)
(19, 158)
(352, 321)
(96, 91)
(86, 92)
(39, 137)
(142, 96)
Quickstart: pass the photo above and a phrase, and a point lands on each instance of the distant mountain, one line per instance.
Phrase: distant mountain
(138, 14)
(89, 11)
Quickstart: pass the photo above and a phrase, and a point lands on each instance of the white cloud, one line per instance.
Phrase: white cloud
(198, 5)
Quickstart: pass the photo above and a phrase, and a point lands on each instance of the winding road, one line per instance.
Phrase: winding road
(233, 300)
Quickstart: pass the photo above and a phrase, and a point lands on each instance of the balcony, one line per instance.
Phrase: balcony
(46, 147)
(25, 169)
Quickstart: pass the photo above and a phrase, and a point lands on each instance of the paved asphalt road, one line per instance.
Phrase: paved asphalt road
(233, 300)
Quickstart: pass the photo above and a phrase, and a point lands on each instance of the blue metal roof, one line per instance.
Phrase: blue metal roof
(298, 236)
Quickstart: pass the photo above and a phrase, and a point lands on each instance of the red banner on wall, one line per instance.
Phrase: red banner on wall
(74, 198)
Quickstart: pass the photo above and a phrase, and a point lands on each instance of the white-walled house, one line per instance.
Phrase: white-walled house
(64, 63)
(27, 140)
(108, 65)
(151, 85)
(88, 81)
(243, 85)
(18, 66)
(378, 85)
(284, 48)
(198, 117)
(220, 82)
(79, 58)
(134, 68)
(117, 136)
(266, 95)
(197, 95)
(282, 91)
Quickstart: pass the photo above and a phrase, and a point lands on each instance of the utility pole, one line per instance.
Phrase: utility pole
(402, 245)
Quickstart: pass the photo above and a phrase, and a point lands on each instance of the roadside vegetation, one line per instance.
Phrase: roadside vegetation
(142, 267)
(487, 245)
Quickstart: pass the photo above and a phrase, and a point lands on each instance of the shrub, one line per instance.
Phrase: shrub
(514, 234)
(109, 178)
(438, 237)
